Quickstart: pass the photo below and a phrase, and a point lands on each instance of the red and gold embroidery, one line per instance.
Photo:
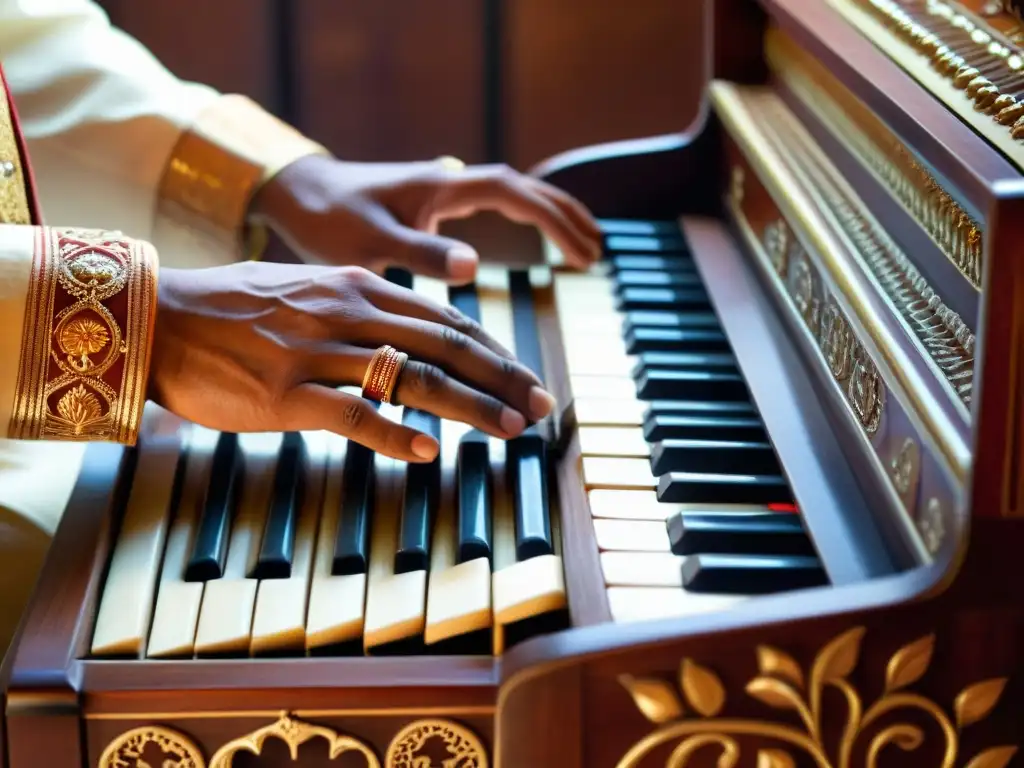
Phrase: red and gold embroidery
(88, 332)
(14, 202)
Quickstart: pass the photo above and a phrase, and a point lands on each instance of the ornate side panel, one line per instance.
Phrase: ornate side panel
(212, 742)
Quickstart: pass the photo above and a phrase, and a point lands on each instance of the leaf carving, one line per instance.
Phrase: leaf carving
(909, 663)
(975, 701)
(774, 758)
(772, 661)
(994, 757)
(702, 688)
(655, 699)
(839, 658)
(774, 693)
(79, 407)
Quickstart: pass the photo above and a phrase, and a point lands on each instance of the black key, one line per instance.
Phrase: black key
(210, 547)
(662, 298)
(702, 488)
(351, 544)
(638, 227)
(464, 299)
(527, 463)
(688, 427)
(675, 340)
(691, 385)
(671, 320)
(681, 360)
(699, 408)
(738, 533)
(751, 574)
(645, 244)
(524, 322)
(646, 279)
(399, 276)
(717, 456)
(643, 262)
(276, 549)
(419, 502)
(473, 477)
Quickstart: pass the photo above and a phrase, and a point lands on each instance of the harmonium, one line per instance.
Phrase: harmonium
(776, 520)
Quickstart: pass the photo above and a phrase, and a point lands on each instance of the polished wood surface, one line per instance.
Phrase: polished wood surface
(926, 645)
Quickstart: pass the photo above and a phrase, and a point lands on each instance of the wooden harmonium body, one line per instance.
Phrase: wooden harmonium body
(777, 521)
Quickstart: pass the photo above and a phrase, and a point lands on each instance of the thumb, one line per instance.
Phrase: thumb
(435, 256)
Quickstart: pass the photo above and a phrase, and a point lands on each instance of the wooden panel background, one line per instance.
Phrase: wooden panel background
(487, 80)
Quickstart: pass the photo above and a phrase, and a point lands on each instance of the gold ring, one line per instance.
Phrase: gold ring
(382, 373)
(450, 163)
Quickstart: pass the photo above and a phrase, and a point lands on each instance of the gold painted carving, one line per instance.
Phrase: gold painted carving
(417, 745)
(90, 314)
(957, 234)
(130, 749)
(964, 52)
(782, 685)
(408, 747)
(294, 733)
(847, 360)
(944, 336)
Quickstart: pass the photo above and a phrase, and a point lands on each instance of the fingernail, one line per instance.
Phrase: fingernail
(462, 261)
(512, 422)
(541, 403)
(425, 447)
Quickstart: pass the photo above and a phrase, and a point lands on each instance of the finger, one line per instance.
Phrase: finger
(402, 301)
(504, 378)
(432, 255)
(511, 195)
(428, 388)
(315, 407)
(575, 211)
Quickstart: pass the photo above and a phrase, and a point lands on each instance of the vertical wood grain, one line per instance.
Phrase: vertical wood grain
(391, 80)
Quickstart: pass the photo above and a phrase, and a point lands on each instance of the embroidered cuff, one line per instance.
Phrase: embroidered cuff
(232, 149)
(87, 335)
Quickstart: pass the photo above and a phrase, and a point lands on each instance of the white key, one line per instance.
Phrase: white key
(225, 621)
(395, 602)
(624, 442)
(336, 603)
(646, 603)
(279, 622)
(177, 603)
(609, 413)
(628, 474)
(126, 606)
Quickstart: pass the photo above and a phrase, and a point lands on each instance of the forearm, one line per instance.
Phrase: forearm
(119, 142)
(78, 308)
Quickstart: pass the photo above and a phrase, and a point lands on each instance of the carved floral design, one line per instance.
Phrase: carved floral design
(293, 733)
(127, 750)
(463, 747)
(781, 684)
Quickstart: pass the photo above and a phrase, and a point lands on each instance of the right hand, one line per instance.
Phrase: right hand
(259, 347)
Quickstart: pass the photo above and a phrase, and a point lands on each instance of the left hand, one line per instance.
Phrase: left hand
(378, 215)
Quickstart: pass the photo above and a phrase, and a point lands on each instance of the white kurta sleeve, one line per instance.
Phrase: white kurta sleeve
(117, 141)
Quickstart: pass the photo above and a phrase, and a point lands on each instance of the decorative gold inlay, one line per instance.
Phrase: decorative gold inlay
(420, 744)
(409, 747)
(955, 232)
(782, 685)
(172, 749)
(294, 733)
(906, 469)
(944, 336)
(931, 525)
(847, 361)
(89, 313)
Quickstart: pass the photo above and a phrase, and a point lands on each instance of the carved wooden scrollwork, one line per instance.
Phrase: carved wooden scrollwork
(782, 685)
(408, 749)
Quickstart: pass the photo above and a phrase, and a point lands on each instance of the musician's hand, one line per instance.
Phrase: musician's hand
(258, 347)
(377, 215)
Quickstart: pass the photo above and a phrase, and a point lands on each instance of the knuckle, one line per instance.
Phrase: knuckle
(358, 277)
(489, 409)
(454, 339)
(508, 366)
(353, 417)
(426, 379)
(461, 322)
